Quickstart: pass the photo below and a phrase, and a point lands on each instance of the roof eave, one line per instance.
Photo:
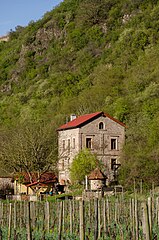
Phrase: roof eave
(81, 124)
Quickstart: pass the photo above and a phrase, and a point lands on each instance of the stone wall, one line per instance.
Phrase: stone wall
(68, 148)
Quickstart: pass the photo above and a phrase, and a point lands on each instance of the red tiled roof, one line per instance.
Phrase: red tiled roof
(85, 119)
(39, 184)
(79, 120)
(45, 177)
(96, 175)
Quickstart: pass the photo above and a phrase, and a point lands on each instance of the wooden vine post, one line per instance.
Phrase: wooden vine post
(145, 221)
(9, 223)
(136, 220)
(104, 215)
(71, 217)
(47, 216)
(150, 212)
(96, 220)
(15, 214)
(29, 231)
(99, 220)
(60, 221)
(82, 228)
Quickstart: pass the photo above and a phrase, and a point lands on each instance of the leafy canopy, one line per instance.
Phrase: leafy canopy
(87, 56)
(82, 165)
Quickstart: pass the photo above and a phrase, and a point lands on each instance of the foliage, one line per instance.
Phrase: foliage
(86, 56)
(140, 159)
(30, 147)
(75, 193)
(82, 165)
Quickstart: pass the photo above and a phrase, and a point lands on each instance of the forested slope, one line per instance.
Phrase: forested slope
(87, 56)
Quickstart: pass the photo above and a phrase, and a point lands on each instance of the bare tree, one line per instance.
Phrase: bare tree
(30, 147)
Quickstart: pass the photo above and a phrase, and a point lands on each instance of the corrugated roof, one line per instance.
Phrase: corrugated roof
(96, 175)
(81, 120)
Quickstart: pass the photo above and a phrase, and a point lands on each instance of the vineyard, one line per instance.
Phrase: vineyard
(107, 218)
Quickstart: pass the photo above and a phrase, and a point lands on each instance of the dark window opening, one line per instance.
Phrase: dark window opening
(62, 164)
(73, 143)
(68, 145)
(101, 125)
(113, 163)
(88, 142)
(113, 143)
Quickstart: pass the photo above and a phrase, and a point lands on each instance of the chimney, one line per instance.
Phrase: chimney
(72, 117)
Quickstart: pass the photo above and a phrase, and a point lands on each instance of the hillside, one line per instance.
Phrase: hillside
(87, 56)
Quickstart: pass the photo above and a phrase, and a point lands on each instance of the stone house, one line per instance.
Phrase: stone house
(101, 133)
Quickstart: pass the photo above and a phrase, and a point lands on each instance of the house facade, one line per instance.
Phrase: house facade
(101, 133)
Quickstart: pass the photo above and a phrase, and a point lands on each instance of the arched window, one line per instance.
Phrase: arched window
(101, 125)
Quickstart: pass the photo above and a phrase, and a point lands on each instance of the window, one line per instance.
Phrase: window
(62, 164)
(101, 125)
(73, 143)
(68, 161)
(88, 142)
(68, 146)
(63, 144)
(113, 144)
(113, 163)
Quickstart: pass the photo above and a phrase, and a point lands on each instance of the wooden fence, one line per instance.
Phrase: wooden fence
(107, 218)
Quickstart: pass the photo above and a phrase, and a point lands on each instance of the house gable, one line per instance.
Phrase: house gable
(85, 119)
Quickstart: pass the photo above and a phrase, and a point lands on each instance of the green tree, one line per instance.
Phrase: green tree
(82, 165)
(140, 157)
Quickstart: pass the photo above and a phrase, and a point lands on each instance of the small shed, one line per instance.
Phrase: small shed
(23, 185)
(97, 179)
